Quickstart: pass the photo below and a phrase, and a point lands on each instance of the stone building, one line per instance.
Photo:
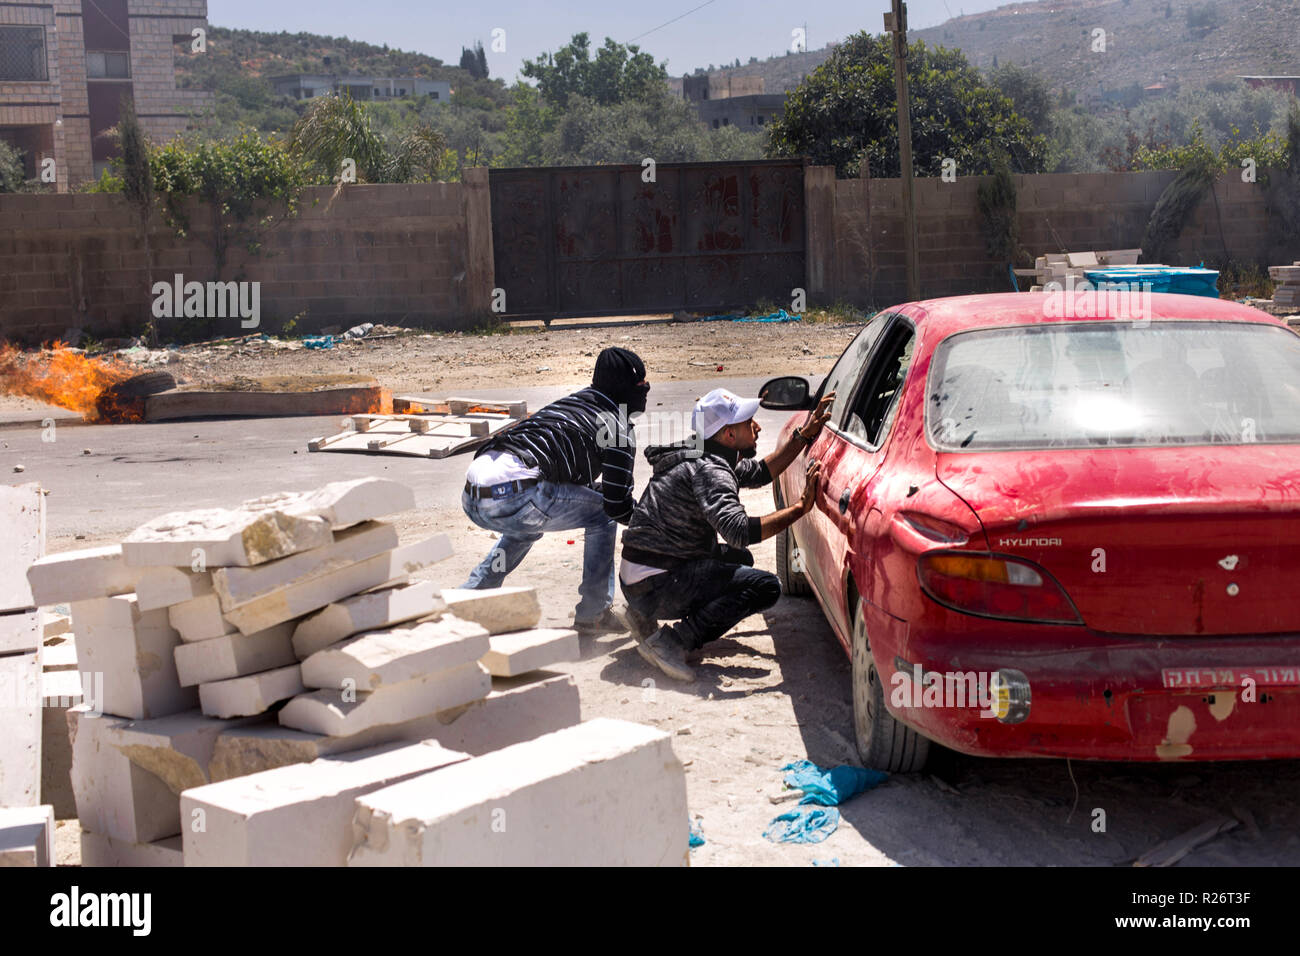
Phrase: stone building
(65, 66)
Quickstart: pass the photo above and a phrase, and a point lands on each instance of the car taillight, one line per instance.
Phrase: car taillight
(995, 586)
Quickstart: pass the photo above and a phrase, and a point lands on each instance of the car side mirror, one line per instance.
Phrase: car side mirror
(788, 393)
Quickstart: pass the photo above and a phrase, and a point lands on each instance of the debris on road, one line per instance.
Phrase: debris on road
(441, 428)
(831, 787)
(1171, 851)
(803, 825)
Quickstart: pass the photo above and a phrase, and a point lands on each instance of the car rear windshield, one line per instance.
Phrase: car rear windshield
(1123, 383)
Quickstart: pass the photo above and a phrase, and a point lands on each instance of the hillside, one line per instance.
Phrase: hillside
(1190, 42)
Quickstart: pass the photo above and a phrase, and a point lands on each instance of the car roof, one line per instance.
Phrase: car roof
(958, 313)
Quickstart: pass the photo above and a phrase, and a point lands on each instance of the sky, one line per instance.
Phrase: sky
(708, 31)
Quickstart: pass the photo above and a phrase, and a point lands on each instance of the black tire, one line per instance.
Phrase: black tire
(883, 742)
(125, 401)
(793, 582)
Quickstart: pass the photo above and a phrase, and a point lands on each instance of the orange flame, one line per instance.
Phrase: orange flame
(60, 376)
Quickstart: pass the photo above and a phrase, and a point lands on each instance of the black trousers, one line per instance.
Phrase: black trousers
(707, 597)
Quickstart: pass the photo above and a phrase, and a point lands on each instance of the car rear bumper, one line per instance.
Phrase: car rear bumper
(1105, 697)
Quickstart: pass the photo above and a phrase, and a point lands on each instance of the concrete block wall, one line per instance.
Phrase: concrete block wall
(392, 254)
(156, 31)
(1082, 211)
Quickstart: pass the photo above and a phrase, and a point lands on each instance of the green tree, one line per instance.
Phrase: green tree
(12, 173)
(529, 120)
(847, 107)
(1028, 92)
(617, 73)
(336, 129)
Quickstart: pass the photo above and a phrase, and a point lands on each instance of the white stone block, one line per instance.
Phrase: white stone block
(199, 619)
(20, 730)
(365, 612)
(162, 586)
(22, 516)
(61, 690)
(341, 503)
(59, 657)
(218, 538)
(500, 610)
(20, 632)
(55, 625)
(135, 651)
(80, 576)
(236, 586)
(113, 795)
(99, 850)
(300, 599)
(603, 793)
(516, 709)
(524, 651)
(298, 815)
(127, 776)
(27, 836)
(378, 658)
(328, 712)
(235, 655)
(251, 695)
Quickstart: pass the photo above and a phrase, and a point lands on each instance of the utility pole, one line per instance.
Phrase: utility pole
(896, 24)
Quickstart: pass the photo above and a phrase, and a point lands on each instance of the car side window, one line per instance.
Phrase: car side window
(877, 398)
(849, 367)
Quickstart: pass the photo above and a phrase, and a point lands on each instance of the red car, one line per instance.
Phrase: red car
(1040, 535)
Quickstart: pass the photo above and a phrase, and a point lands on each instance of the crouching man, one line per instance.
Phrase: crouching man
(673, 566)
(568, 466)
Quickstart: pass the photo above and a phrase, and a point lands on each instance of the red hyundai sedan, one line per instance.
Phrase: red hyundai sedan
(1043, 535)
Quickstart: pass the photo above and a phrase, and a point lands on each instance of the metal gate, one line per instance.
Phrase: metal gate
(593, 240)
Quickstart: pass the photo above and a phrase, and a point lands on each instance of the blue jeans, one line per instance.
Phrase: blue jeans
(523, 517)
(707, 598)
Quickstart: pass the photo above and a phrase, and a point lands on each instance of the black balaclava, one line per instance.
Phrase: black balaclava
(618, 373)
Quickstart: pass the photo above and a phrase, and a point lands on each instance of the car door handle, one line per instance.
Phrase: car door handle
(844, 501)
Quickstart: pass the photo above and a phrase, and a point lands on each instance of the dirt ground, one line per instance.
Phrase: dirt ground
(526, 357)
(777, 688)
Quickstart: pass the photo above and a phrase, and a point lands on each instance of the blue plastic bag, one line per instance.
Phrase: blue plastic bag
(319, 342)
(803, 825)
(697, 834)
(830, 788)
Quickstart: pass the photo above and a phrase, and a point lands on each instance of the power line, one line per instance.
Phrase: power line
(672, 21)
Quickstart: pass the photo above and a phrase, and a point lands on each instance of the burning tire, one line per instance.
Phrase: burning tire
(125, 401)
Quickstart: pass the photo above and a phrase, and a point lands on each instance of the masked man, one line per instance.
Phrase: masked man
(673, 566)
(566, 467)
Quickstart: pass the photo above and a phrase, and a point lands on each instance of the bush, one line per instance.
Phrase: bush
(12, 173)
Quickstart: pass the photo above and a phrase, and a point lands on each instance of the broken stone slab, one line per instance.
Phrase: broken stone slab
(200, 619)
(251, 695)
(603, 793)
(380, 658)
(340, 713)
(299, 815)
(22, 516)
(80, 576)
(163, 587)
(341, 503)
(100, 850)
(236, 586)
(218, 537)
(524, 651)
(235, 655)
(55, 625)
(127, 776)
(499, 610)
(59, 657)
(27, 836)
(515, 710)
(365, 612)
(20, 632)
(135, 651)
(297, 600)
(20, 730)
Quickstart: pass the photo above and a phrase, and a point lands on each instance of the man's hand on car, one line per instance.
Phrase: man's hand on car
(813, 475)
(819, 417)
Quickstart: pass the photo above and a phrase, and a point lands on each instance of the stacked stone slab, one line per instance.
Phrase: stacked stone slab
(1287, 290)
(27, 836)
(22, 516)
(158, 641)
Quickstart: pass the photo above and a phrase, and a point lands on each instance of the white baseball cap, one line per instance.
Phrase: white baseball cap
(720, 408)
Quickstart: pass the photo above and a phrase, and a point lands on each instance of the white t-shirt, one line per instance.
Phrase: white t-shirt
(498, 467)
(629, 572)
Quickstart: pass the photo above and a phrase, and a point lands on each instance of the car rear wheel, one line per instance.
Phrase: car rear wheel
(789, 566)
(883, 742)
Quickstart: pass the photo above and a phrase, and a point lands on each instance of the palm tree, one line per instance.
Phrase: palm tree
(337, 128)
